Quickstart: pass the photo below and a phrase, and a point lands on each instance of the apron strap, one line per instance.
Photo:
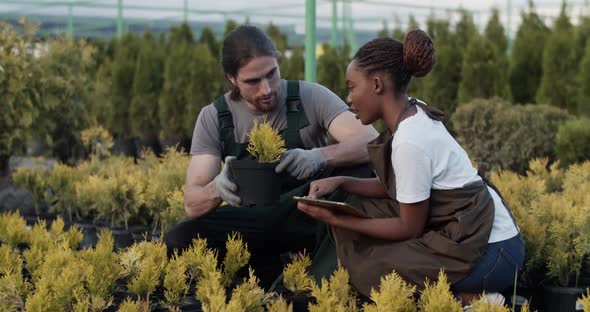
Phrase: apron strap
(430, 111)
(296, 118)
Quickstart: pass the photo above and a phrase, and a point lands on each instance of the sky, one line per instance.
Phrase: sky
(367, 14)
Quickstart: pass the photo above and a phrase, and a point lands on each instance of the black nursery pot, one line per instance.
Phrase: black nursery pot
(562, 299)
(258, 183)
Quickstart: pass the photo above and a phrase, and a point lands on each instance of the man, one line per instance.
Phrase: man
(304, 113)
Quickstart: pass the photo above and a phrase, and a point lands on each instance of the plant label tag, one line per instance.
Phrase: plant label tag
(579, 305)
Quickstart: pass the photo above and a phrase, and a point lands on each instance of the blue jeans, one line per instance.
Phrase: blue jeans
(495, 269)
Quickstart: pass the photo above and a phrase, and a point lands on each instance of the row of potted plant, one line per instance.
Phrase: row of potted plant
(108, 190)
(552, 207)
(50, 274)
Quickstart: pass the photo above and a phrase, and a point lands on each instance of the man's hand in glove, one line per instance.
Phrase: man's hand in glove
(302, 164)
(224, 187)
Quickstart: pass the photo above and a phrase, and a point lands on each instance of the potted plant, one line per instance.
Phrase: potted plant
(529, 200)
(568, 246)
(258, 183)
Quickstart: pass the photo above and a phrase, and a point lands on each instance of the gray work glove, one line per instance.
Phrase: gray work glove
(302, 164)
(225, 187)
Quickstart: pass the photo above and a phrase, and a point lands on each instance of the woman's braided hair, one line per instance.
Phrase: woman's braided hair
(414, 57)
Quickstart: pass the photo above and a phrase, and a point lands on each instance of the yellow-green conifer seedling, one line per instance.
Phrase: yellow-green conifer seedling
(266, 144)
(175, 281)
(248, 296)
(437, 297)
(236, 257)
(585, 301)
(334, 294)
(296, 277)
(484, 304)
(394, 295)
(279, 305)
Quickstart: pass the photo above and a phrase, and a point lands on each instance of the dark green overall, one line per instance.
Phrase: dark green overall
(268, 231)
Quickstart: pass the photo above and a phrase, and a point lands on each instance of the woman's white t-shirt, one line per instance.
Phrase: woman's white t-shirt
(425, 156)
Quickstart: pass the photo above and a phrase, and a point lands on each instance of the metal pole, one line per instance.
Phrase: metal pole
(350, 29)
(310, 41)
(334, 40)
(509, 26)
(185, 11)
(70, 20)
(120, 19)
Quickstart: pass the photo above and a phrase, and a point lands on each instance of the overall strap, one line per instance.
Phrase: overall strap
(296, 118)
(226, 127)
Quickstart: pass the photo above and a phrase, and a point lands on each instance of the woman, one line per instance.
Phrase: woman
(429, 209)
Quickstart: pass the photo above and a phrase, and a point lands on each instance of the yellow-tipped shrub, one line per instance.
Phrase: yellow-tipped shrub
(334, 294)
(248, 296)
(236, 257)
(437, 297)
(484, 304)
(266, 144)
(296, 276)
(175, 281)
(279, 305)
(98, 141)
(32, 180)
(394, 295)
(13, 229)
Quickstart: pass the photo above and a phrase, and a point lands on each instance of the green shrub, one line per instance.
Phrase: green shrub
(502, 135)
(573, 141)
(20, 88)
(32, 180)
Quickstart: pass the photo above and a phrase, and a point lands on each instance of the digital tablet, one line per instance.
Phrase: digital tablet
(339, 207)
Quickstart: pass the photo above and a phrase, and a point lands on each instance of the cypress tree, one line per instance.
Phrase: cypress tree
(384, 32)
(204, 82)
(180, 34)
(483, 73)
(412, 23)
(332, 70)
(208, 38)
(278, 37)
(147, 84)
(558, 83)
(229, 26)
(398, 32)
(173, 98)
(582, 35)
(124, 65)
(584, 83)
(442, 84)
(526, 67)
(494, 31)
(465, 29)
(294, 68)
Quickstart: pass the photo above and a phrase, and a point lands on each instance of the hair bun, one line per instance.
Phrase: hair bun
(419, 56)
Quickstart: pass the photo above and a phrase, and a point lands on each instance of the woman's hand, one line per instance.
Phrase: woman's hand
(319, 213)
(323, 187)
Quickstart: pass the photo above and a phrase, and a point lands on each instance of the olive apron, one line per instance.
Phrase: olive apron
(455, 235)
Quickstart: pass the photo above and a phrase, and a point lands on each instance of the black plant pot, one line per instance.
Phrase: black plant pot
(258, 183)
(532, 295)
(190, 304)
(562, 299)
(90, 235)
(122, 238)
(139, 232)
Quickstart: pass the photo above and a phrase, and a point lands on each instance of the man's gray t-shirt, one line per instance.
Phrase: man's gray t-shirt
(320, 105)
